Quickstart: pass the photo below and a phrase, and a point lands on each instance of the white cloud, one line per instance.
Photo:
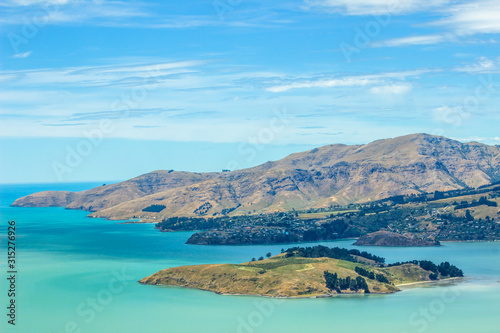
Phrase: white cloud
(394, 89)
(374, 7)
(103, 75)
(22, 55)
(473, 17)
(344, 82)
(455, 115)
(68, 12)
(482, 65)
(25, 3)
(349, 81)
(486, 140)
(125, 14)
(460, 20)
(413, 40)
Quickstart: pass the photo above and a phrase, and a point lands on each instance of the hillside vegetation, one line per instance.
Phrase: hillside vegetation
(411, 220)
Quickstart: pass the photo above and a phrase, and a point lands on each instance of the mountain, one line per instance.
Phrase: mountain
(324, 176)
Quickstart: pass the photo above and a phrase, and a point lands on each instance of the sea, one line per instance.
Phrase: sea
(79, 274)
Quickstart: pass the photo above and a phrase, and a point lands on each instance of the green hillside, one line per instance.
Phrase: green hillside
(290, 274)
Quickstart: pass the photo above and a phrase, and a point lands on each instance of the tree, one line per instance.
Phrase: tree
(253, 259)
(468, 216)
(438, 195)
(331, 281)
(353, 285)
(362, 284)
(381, 278)
(261, 258)
(268, 254)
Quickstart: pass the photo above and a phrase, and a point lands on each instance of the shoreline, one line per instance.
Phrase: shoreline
(134, 222)
(267, 296)
(431, 281)
(471, 241)
(305, 297)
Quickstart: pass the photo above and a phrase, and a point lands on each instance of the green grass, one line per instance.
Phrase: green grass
(273, 264)
(351, 265)
(280, 276)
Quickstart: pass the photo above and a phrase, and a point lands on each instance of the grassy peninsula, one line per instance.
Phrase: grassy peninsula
(304, 272)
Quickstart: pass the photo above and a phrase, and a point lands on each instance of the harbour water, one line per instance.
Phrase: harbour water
(76, 274)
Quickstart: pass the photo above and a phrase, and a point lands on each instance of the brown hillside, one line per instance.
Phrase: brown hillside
(319, 177)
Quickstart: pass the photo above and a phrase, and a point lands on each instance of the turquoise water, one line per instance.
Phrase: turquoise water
(77, 274)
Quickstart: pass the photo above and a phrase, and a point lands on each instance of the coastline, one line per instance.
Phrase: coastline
(136, 222)
(267, 296)
(471, 241)
(309, 296)
(432, 281)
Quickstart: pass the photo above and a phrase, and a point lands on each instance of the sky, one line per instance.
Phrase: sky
(107, 90)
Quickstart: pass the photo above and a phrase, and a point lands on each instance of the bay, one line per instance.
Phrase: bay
(77, 274)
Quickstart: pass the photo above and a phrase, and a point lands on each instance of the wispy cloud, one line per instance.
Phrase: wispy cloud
(52, 12)
(195, 100)
(103, 75)
(131, 14)
(473, 17)
(479, 139)
(414, 40)
(481, 65)
(373, 7)
(452, 115)
(394, 89)
(117, 114)
(22, 55)
(343, 82)
(24, 3)
(459, 20)
(348, 81)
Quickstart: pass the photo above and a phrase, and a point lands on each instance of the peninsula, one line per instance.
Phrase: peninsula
(417, 190)
(326, 176)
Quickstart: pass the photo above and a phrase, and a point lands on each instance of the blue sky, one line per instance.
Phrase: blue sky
(133, 86)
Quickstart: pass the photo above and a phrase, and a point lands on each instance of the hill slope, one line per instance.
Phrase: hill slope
(334, 174)
(283, 277)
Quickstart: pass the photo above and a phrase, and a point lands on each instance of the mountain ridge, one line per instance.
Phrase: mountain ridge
(320, 177)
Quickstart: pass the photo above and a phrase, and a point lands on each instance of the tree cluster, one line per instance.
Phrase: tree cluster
(154, 208)
(187, 224)
(444, 269)
(335, 253)
(333, 282)
(475, 203)
(371, 275)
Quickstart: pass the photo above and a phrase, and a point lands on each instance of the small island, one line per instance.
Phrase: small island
(305, 272)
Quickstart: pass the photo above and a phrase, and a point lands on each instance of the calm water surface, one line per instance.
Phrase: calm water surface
(77, 274)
